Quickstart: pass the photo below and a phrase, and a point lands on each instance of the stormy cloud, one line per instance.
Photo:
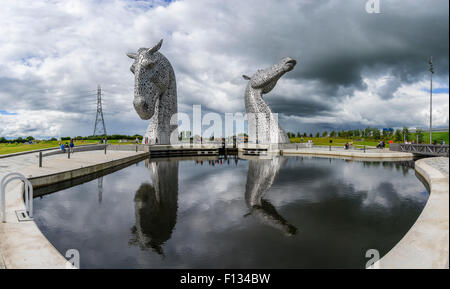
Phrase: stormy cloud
(354, 69)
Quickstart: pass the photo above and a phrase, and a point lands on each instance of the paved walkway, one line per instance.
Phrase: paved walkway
(14, 164)
(342, 152)
(441, 164)
(22, 245)
(426, 245)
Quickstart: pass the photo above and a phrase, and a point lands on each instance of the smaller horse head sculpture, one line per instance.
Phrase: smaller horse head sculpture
(265, 126)
(265, 80)
(155, 91)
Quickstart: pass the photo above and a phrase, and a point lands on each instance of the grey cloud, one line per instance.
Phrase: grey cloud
(336, 43)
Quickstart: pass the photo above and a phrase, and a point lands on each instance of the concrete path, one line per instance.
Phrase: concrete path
(341, 152)
(13, 164)
(22, 245)
(426, 245)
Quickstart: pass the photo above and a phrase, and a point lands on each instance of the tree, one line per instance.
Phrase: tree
(376, 134)
(3, 140)
(332, 133)
(310, 135)
(398, 135)
(325, 134)
(304, 134)
(29, 138)
(405, 133)
(419, 135)
(299, 135)
(367, 132)
(318, 134)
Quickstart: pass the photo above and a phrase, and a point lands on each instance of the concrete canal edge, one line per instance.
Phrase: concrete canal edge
(355, 154)
(22, 244)
(426, 245)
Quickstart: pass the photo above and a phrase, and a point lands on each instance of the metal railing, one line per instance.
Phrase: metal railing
(421, 149)
(28, 193)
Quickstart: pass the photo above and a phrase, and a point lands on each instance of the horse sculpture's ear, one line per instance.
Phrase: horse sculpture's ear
(156, 47)
(132, 55)
(246, 77)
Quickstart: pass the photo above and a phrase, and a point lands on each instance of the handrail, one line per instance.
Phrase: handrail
(28, 193)
(422, 149)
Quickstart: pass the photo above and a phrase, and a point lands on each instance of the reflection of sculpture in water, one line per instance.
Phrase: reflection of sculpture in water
(260, 177)
(156, 207)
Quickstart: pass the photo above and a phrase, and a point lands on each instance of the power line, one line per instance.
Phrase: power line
(99, 125)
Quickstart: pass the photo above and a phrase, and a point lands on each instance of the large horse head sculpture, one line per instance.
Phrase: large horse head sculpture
(155, 92)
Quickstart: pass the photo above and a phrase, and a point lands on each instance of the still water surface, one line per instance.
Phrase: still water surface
(296, 212)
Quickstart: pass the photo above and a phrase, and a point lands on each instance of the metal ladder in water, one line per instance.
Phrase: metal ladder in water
(21, 215)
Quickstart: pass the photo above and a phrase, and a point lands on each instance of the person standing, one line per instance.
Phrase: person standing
(71, 145)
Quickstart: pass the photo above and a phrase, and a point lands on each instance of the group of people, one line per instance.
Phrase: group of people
(348, 145)
(381, 145)
(67, 146)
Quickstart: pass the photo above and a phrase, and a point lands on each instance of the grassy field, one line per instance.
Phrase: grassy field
(437, 136)
(337, 141)
(19, 147)
(325, 141)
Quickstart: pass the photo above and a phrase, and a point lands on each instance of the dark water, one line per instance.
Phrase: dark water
(282, 213)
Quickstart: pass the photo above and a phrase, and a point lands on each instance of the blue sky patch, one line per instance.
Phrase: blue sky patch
(437, 90)
(4, 112)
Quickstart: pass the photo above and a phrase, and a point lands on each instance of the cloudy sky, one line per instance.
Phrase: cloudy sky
(354, 69)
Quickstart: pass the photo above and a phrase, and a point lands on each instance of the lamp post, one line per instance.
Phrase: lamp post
(431, 98)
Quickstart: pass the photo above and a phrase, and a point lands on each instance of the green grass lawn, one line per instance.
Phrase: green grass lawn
(338, 141)
(437, 136)
(19, 147)
(325, 141)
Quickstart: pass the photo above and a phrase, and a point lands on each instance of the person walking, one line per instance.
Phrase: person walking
(71, 146)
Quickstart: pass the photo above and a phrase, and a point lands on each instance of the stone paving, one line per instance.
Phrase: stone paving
(23, 245)
(15, 164)
(440, 164)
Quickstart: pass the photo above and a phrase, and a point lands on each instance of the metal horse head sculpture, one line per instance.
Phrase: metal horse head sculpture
(155, 92)
(263, 124)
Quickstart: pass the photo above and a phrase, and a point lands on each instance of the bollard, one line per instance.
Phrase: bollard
(105, 149)
(330, 148)
(136, 148)
(68, 153)
(364, 148)
(40, 159)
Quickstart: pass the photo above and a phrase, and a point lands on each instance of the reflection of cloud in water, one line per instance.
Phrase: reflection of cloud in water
(353, 204)
(318, 180)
